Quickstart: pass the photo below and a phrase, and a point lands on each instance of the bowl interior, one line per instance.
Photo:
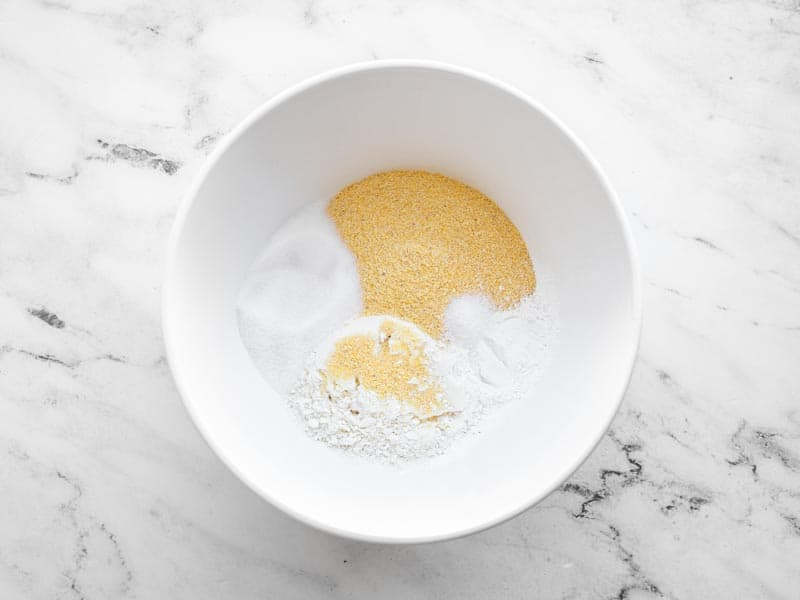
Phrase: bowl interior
(305, 146)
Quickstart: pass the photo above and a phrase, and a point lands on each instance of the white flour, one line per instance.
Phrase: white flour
(358, 419)
(303, 293)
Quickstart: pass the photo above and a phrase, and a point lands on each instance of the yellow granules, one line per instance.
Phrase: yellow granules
(420, 239)
(392, 365)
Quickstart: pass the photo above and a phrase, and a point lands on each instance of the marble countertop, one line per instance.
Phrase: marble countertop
(108, 109)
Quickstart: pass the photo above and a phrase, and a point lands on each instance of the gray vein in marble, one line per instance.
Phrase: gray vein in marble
(792, 237)
(207, 141)
(641, 582)
(49, 358)
(707, 243)
(794, 522)
(112, 537)
(593, 58)
(138, 157)
(85, 527)
(64, 180)
(81, 552)
(631, 476)
(48, 317)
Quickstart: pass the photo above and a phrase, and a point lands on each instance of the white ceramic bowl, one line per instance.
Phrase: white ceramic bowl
(304, 145)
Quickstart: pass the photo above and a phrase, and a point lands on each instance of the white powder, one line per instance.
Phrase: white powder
(486, 357)
(359, 420)
(303, 294)
(493, 356)
(301, 288)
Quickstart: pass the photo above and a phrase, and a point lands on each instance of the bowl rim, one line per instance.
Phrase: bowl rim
(231, 137)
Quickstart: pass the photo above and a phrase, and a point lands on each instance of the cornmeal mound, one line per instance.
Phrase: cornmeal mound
(420, 239)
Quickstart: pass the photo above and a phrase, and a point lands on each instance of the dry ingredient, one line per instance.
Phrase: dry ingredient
(300, 289)
(360, 420)
(420, 239)
(398, 315)
(392, 364)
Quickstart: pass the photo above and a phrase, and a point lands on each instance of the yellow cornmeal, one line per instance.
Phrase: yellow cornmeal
(392, 365)
(420, 239)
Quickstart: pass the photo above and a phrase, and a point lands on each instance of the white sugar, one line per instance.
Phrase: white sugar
(300, 289)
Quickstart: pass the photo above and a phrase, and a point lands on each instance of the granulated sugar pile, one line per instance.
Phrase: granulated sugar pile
(301, 288)
(396, 320)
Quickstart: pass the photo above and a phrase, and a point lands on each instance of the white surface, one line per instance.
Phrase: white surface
(308, 144)
(108, 491)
